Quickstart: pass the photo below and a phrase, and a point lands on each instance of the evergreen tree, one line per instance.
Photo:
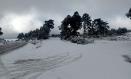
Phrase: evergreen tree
(70, 26)
(1, 33)
(113, 31)
(27, 37)
(101, 27)
(86, 23)
(76, 23)
(121, 31)
(65, 28)
(129, 13)
(21, 36)
(45, 29)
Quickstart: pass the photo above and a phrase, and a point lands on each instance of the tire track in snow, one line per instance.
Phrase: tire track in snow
(24, 68)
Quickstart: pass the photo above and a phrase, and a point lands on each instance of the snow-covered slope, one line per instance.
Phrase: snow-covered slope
(99, 60)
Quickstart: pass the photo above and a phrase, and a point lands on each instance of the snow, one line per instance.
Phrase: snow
(57, 59)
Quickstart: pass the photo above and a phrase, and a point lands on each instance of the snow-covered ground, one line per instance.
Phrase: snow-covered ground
(56, 59)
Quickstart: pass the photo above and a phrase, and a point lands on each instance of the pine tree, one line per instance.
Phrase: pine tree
(45, 29)
(1, 33)
(65, 28)
(121, 31)
(129, 13)
(101, 26)
(21, 36)
(86, 23)
(76, 23)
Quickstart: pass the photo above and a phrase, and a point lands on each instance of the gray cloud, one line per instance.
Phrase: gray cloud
(112, 11)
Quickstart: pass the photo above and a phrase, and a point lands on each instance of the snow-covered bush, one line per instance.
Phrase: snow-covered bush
(80, 40)
(123, 38)
(127, 58)
(119, 38)
(34, 41)
(113, 39)
(2, 41)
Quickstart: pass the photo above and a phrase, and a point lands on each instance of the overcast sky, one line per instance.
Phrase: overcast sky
(23, 15)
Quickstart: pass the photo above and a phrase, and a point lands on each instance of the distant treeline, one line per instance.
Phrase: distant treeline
(71, 24)
(41, 33)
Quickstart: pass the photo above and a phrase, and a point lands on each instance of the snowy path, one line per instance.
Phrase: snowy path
(4, 49)
(101, 60)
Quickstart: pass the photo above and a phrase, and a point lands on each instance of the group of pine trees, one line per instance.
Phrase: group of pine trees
(70, 26)
(118, 31)
(42, 33)
(91, 28)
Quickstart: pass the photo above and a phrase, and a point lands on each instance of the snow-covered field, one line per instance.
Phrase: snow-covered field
(56, 59)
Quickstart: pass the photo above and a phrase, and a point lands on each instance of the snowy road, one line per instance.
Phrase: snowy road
(100, 60)
(4, 49)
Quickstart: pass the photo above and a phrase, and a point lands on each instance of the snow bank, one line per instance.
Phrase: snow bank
(81, 40)
(119, 38)
(10, 45)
